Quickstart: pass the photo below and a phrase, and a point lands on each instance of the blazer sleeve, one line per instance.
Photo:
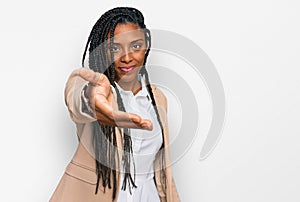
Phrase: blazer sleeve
(74, 100)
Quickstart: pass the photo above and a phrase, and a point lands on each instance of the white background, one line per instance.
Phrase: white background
(254, 46)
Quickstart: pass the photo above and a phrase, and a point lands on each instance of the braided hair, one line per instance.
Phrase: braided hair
(104, 139)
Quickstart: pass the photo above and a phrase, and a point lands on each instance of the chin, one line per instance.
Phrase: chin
(128, 78)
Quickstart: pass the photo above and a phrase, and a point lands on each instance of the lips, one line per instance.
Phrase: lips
(127, 69)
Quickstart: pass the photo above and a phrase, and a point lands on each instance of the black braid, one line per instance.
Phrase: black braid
(104, 139)
(149, 88)
(127, 148)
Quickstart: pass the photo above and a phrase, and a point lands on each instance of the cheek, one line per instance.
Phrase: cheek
(140, 57)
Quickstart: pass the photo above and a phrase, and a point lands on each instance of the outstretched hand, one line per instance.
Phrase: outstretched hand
(102, 100)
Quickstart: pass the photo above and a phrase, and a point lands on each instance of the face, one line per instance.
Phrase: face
(129, 50)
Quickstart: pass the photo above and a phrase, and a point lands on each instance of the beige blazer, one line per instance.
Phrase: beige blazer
(78, 182)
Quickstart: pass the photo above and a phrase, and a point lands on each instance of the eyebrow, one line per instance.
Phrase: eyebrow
(137, 40)
(131, 42)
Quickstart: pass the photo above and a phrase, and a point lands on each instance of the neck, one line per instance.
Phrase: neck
(134, 86)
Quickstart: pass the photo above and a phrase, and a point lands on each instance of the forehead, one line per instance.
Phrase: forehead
(127, 31)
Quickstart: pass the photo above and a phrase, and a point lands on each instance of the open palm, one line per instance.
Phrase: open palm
(103, 102)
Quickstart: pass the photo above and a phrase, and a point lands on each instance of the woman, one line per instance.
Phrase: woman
(121, 156)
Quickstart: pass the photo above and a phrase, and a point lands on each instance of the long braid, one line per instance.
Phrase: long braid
(105, 156)
(127, 148)
(104, 139)
(149, 88)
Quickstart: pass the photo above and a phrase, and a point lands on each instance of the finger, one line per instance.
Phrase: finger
(146, 124)
(123, 124)
(132, 125)
(131, 120)
(124, 120)
(125, 116)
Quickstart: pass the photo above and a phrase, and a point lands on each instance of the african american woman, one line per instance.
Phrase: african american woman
(123, 151)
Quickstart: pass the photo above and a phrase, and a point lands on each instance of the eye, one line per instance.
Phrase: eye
(137, 46)
(115, 48)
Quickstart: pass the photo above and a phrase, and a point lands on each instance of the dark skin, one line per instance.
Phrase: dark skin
(129, 52)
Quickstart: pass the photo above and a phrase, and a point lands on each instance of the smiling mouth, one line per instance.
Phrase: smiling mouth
(127, 69)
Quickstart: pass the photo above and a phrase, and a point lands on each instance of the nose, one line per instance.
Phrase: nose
(126, 57)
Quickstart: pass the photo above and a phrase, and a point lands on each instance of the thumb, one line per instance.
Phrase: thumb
(89, 75)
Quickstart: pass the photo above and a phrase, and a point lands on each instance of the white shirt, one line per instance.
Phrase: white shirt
(145, 145)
